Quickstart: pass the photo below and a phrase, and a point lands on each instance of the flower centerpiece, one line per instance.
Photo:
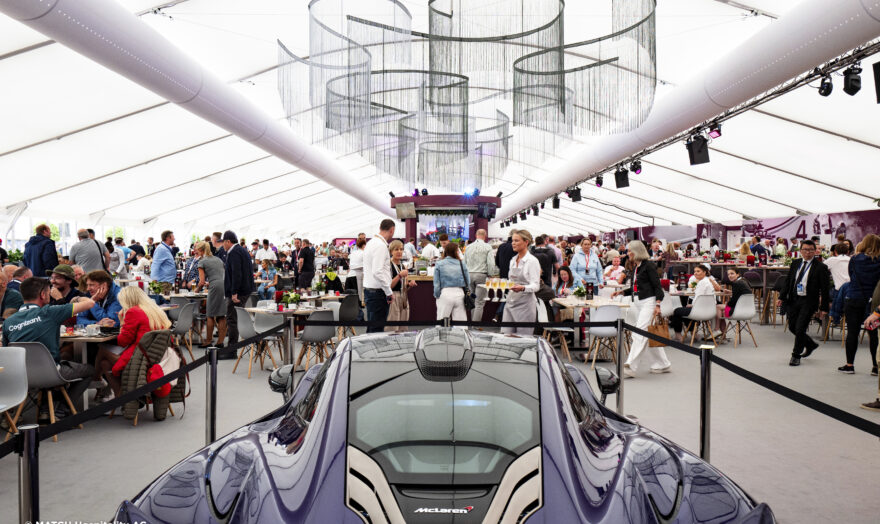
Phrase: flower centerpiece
(786, 261)
(320, 287)
(16, 256)
(580, 292)
(155, 287)
(291, 297)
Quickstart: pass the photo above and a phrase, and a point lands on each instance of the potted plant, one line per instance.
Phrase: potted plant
(580, 292)
(155, 287)
(15, 256)
(291, 297)
(320, 287)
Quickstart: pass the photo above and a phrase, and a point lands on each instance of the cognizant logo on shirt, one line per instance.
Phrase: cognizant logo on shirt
(26, 323)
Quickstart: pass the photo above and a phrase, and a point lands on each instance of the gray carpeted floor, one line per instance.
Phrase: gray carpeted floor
(809, 468)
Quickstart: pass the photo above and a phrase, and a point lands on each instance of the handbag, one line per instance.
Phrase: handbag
(659, 327)
(469, 303)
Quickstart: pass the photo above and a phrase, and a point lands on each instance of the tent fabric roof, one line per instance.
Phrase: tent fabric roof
(81, 141)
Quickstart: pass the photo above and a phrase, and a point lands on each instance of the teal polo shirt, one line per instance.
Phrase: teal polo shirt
(11, 300)
(33, 323)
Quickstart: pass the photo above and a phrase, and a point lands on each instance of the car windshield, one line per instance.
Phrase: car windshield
(462, 432)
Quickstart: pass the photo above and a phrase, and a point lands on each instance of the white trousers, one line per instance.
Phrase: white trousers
(656, 357)
(451, 304)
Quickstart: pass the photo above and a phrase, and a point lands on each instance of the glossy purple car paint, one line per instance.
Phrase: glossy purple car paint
(594, 465)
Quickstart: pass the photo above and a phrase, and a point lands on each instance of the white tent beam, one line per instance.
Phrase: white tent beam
(810, 34)
(105, 32)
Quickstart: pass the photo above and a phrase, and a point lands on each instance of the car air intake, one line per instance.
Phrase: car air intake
(367, 491)
(444, 354)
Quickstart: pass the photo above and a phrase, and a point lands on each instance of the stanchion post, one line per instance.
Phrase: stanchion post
(705, 399)
(211, 393)
(620, 358)
(28, 473)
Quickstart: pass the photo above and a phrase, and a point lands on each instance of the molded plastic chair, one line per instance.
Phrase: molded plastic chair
(251, 300)
(184, 325)
(13, 386)
(263, 322)
(43, 375)
(334, 306)
(603, 337)
(174, 314)
(348, 312)
(742, 313)
(246, 329)
(550, 331)
(757, 284)
(703, 312)
(315, 337)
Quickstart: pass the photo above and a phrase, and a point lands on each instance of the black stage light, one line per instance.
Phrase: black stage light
(513, 219)
(877, 80)
(535, 209)
(499, 194)
(636, 166)
(542, 205)
(522, 215)
(826, 86)
(425, 192)
(621, 177)
(599, 180)
(698, 150)
(715, 130)
(391, 194)
(556, 202)
(852, 82)
(574, 194)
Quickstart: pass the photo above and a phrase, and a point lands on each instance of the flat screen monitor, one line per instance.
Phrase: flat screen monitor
(406, 210)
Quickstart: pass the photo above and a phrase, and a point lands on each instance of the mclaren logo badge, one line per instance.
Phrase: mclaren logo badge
(466, 509)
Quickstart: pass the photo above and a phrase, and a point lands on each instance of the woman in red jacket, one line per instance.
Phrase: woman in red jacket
(139, 315)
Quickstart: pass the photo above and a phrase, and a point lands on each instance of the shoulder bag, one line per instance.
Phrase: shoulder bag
(469, 303)
(660, 327)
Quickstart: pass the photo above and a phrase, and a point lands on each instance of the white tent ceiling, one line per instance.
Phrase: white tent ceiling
(79, 141)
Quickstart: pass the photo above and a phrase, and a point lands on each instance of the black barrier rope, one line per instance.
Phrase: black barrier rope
(816, 405)
(463, 323)
(68, 423)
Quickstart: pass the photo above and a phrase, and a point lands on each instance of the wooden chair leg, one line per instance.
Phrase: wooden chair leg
(15, 418)
(707, 326)
(594, 349)
(170, 409)
(269, 351)
(251, 360)
(564, 344)
(749, 328)
(135, 421)
(69, 403)
(12, 426)
(243, 350)
(693, 333)
(302, 351)
(51, 412)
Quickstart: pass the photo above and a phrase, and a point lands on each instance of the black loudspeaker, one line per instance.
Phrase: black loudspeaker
(556, 202)
(698, 150)
(621, 178)
(877, 80)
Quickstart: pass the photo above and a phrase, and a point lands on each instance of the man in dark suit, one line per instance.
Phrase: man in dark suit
(807, 289)
(239, 282)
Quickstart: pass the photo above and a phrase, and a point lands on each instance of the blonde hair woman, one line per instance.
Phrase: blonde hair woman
(744, 252)
(525, 274)
(138, 316)
(399, 308)
(647, 295)
(213, 272)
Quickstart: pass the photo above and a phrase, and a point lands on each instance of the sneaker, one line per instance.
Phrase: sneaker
(667, 369)
(872, 406)
(874, 371)
(628, 372)
(809, 351)
(795, 361)
(849, 370)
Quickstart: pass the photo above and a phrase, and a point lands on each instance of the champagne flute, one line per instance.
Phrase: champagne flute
(504, 284)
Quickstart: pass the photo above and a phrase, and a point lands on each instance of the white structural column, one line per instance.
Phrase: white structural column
(810, 34)
(104, 31)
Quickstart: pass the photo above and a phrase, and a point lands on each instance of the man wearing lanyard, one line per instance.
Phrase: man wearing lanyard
(377, 276)
(163, 269)
(806, 290)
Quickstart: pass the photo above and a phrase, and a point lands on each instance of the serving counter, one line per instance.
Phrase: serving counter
(423, 305)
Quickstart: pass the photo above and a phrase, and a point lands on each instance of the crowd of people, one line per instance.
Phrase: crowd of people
(50, 290)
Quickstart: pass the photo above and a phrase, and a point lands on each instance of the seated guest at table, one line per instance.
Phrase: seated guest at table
(611, 254)
(144, 263)
(668, 256)
(585, 266)
(38, 321)
(267, 289)
(739, 287)
(191, 271)
(282, 264)
(139, 315)
(9, 270)
(10, 299)
(864, 275)
(705, 286)
(332, 282)
(399, 308)
(450, 276)
(20, 275)
(212, 273)
(758, 248)
(64, 285)
(781, 249)
(337, 261)
(103, 292)
(713, 247)
(614, 270)
(744, 253)
(565, 285)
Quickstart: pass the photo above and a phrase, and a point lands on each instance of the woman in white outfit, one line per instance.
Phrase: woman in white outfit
(356, 266)
(451, 278)
(525, 274)
(647, 295)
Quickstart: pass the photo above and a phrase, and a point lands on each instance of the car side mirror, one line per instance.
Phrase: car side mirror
(281, 380)
(608, 382)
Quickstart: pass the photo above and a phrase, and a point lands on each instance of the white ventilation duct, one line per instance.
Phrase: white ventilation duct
(810, 34)
(105, 32)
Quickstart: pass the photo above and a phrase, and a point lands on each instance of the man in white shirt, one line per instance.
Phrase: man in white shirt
(478, 258)
(429, 250)
(265, 253)
(409, 250)
(377, 276)
(839, 267)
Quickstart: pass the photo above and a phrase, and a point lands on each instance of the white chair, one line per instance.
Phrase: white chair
(13, 386)
(550, 331)
(742, 313)
(263, 322)
(703, 313)
(317, 338)
(183, 328)
(334, 305)
(246, 329)
(603, 337)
